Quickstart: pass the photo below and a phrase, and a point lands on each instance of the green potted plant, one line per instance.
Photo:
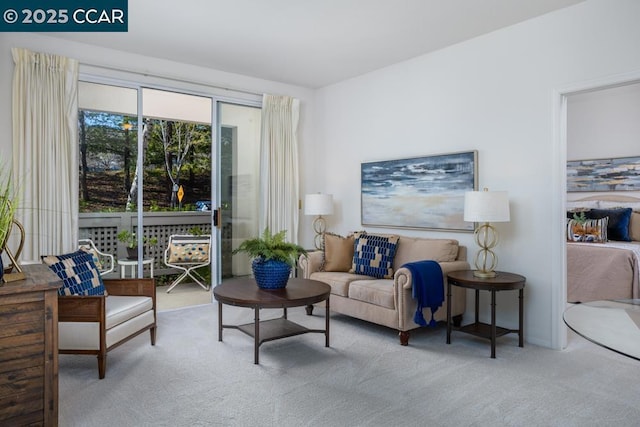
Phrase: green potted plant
(131, 242)
(273, 258)
(7, 211)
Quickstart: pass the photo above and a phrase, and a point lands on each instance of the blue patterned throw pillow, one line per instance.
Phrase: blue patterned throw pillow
(78, 273)
(373, 255)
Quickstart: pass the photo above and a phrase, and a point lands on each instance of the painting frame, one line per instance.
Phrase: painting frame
(603, 175)
(424, 192)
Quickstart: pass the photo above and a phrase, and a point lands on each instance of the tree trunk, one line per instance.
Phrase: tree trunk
(84, 189)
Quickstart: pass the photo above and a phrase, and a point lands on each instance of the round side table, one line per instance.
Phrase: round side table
(502, 282)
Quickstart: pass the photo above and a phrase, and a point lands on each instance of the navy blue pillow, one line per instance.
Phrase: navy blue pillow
(618, 228)
(78, 273)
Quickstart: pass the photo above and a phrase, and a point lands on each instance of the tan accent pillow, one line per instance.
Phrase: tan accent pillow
(338, 252)
(189, 253)
(634, 226)
(416, 249)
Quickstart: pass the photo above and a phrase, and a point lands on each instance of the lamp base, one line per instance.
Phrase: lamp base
(319, 226)
(484, 274)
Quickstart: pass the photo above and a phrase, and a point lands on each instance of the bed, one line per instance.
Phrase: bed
(606, 266)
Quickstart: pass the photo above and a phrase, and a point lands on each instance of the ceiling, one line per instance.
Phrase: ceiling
(311, 43)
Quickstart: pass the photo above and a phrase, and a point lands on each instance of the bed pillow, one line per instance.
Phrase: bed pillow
(618, 226)
(78, 273)
(591, 231)
(338, 252)
(634, 226)
(373, 255)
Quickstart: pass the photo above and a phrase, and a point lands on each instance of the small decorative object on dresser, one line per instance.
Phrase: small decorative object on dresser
(273, 258)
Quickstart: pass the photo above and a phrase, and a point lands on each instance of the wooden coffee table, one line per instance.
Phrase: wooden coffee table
(245, 293)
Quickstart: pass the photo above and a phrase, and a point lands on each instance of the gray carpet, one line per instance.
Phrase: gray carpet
(364, 379)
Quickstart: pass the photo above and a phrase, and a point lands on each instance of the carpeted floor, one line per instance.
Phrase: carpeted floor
(184, 295)
(364, 379)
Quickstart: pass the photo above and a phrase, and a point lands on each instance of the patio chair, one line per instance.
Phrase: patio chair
(187, 253)
(103, 261)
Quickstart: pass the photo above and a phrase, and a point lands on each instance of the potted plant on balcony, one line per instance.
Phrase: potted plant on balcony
(273, 258)
(131, 242)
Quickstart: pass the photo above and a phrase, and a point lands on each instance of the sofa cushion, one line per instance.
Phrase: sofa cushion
(119, 309)
(338, 252)
(373, 254)
(412, 249)
(79, 274)
(378, 292)
(338, 281)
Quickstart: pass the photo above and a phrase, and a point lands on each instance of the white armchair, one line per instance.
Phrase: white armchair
(96, 324)
(104, 262)
(187, 253)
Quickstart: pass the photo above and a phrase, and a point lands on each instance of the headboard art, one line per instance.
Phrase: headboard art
(603, 248)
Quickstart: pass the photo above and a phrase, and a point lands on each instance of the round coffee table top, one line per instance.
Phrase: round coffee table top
(244, 292)
(611, 324)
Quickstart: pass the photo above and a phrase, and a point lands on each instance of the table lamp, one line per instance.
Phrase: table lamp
(486, 207)
(318, 204)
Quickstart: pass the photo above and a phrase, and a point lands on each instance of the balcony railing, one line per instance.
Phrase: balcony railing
(104, 227)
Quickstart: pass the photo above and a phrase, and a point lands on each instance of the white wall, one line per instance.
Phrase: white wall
(496, 94)
(604, 123)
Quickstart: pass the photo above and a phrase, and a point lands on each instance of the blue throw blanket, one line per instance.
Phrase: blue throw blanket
(428, 288)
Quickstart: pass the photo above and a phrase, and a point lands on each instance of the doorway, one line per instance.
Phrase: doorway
(566, 150)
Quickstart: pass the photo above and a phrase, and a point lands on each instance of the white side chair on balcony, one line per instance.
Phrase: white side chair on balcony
(187, 253)
(104, 262)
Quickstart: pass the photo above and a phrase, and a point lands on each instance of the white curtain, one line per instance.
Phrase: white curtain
(45, 150)
(279, 193)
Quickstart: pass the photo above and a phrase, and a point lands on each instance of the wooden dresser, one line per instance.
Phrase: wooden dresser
(29, 349)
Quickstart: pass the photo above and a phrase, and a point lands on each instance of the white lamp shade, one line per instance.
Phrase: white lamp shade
(318, 204)
(486, 206)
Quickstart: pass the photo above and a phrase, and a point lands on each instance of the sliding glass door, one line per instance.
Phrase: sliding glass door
(160, 145)
(239, 154)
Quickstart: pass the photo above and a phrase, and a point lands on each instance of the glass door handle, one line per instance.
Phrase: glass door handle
(217, 218)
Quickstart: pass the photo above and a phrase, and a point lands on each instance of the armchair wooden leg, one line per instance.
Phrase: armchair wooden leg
(102, 365)
(404, 337)
(152, 331)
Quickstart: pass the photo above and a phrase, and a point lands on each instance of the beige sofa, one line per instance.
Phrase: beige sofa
(386, 301)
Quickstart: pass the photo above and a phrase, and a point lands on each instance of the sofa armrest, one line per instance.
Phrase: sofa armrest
(310, 263)
(402, 276)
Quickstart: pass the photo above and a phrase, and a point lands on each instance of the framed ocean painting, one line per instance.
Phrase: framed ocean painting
(420, 192)
(615, 174)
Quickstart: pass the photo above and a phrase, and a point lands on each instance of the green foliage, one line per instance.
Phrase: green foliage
(580, 219)
(271, 246)
(8, 205)
(131, 241)
(196, 231)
